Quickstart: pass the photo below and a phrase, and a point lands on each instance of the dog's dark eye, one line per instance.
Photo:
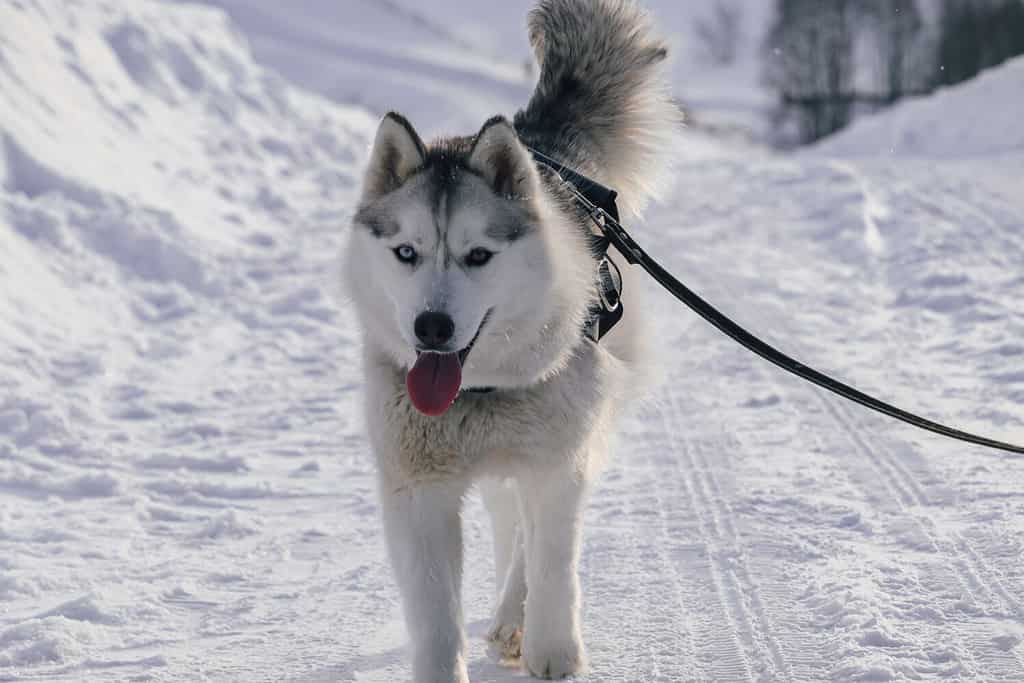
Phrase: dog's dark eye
(478, 256)
(405, 253)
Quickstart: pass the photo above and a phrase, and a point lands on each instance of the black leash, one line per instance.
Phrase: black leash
(599, 201)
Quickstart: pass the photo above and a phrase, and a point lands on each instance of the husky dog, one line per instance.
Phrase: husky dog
(473, 276)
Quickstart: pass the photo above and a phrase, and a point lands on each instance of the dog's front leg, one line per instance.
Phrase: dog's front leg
(424, 531)
(553, 502)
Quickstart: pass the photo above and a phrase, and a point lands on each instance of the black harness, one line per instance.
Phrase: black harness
(607, 310)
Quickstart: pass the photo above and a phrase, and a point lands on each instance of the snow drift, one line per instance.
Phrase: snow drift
(980, 117)
(159, 194)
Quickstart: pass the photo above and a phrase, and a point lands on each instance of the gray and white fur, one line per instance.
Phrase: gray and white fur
(601, 104)
(535, 444)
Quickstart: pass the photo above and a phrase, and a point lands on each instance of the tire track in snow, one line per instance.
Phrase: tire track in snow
(787, 650)
(625, 556)
(724, 642)
(629, 552)
(906, 492)
(749, 650)
(685, 600)
(897, 491)
(965, 567)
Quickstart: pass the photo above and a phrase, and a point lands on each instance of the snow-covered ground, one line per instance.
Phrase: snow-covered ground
(185, 489)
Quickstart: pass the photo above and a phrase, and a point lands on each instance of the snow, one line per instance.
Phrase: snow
(455, 61)
(185, 489)
(979, 118)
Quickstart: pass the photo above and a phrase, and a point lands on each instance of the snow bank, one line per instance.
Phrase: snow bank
(160, 105)
(158, 190)
(981, 117)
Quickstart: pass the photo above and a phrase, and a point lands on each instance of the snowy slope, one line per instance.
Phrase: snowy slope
(981, 117)
(171, 363)
(185, 489)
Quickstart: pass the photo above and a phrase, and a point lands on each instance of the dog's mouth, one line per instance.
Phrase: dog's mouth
(434, 381)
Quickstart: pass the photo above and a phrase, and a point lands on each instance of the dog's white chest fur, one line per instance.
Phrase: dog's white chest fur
(489, 434)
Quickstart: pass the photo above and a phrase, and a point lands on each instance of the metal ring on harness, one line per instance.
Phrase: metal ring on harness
(610, 290)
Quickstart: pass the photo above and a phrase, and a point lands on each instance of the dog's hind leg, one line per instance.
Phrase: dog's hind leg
(502, 503)
(506, 630)
(424, 532)
(553, 500)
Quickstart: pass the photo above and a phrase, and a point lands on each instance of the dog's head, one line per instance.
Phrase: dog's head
(461, 267)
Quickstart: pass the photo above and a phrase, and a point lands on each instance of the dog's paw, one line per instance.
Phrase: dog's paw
(506, 643)
(555, 658)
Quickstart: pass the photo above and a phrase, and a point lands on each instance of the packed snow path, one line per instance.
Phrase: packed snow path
(185, 488)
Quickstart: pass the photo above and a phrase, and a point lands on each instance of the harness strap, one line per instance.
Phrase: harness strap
(607, 311)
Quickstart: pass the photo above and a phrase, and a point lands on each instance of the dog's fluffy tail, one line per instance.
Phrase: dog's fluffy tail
(601, 104)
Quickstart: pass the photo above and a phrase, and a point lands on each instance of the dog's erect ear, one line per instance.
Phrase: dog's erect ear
(502, 160)
(397, 152)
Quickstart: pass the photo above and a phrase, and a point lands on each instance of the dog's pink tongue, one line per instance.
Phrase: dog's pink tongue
(434, 382)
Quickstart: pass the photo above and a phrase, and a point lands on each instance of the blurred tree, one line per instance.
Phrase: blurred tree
(810, 63)
(718, 35)
(975, 35)
(894, 26)
(816, 61)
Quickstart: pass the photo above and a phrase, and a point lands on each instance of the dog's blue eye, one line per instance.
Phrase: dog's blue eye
(405, 253)
(478, 256)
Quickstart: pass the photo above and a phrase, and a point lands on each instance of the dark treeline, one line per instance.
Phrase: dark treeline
(976, 35)
(832, 59)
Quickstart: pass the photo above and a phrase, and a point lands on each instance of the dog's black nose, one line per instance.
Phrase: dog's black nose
(434, 329)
